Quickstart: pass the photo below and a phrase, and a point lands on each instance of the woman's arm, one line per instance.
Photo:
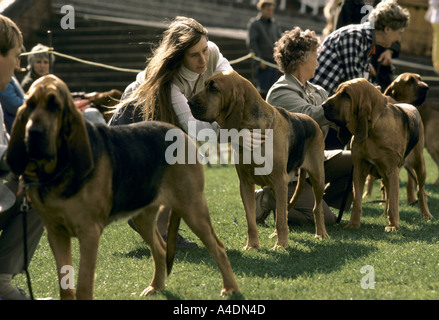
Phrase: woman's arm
(185, 117)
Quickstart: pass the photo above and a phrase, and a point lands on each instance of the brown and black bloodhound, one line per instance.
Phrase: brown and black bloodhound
(235, 104)
(82, 176)
(386, 137)
(409, 88)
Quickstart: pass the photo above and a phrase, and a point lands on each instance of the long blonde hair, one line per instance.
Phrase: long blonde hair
(153, 96)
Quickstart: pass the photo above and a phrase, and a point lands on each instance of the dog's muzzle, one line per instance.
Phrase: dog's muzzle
(37, 143)
(422, 95)
(197, 110)
(332, 114)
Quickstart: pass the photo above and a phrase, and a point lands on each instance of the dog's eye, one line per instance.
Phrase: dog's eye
(52, 104)
(212, 87)
(31, 105)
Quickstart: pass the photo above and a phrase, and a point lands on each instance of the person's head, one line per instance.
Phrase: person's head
(184, 43)
(40, 62)
(389, 21)
(296, 51)
(266, 8)
(11, 42)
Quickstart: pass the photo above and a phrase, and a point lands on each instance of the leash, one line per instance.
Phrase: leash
(24, 208)
(345, 195)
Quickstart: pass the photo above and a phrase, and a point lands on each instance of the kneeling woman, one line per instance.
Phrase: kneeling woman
(296, 56)
(178, 68)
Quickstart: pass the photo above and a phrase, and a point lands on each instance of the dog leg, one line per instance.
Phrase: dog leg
(247, 191)
(359, 178)
(432, 146)
(200, 223)
(369, 186)
(61, 248)
(419, 167)
(146, 225)
(88, 246)
(318, 182)
(410, 188)
(281, 194)
(391, 184)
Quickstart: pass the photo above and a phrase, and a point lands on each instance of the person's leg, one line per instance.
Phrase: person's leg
(337, 172)
(301, 213)
(12, 246)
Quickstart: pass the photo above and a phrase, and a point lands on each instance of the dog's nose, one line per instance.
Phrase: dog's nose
(35, 130)
(325, 106)
(424, 89)
(191, 103)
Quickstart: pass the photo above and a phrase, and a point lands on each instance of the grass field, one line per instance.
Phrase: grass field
(403, 264)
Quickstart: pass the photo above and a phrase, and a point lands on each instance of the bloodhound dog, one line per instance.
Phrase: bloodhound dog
(386, 137)
(409, 88)
(297, 145)
(82, 176)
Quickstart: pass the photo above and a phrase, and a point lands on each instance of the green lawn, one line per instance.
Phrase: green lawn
(405, 263)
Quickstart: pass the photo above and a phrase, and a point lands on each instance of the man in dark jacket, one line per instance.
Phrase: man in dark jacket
(263, 32)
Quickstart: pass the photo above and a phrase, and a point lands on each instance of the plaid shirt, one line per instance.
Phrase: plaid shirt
(345, 55)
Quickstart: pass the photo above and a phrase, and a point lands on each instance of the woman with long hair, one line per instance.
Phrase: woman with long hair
(177, 69)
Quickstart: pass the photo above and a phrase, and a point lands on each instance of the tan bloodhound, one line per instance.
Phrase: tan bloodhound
(386, 137)
(409, 88)
(235, 104)
(82, 176)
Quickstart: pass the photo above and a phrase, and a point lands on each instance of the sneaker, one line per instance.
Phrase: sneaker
(16, 294)
(262, 210)
(183, 243)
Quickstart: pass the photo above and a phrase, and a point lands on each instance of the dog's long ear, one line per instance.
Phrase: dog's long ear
(77, 139)
(392, 92)
(344, 135)
(357, 117)
(16, 155)
(362, 123)
(370, 103)
(233, 116)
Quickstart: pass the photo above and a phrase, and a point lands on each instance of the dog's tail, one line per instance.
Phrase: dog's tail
(299, 188)
(171, 240)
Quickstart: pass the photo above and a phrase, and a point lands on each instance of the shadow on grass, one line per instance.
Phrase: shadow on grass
(141, 252)
(302, 257)
(306, 256)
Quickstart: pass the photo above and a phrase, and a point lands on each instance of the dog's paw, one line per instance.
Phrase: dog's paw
(322, 236)
(352, 225)
(149, 290)
(391, 228)
(228, 292)
(427, 216)
(249, 246)
(280, 245)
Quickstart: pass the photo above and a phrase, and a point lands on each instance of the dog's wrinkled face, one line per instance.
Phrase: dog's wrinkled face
(356, 106)
(206, 104)
(43, 120)
(222, 100)
(408, 88)
(337, 109)
(47, 126)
